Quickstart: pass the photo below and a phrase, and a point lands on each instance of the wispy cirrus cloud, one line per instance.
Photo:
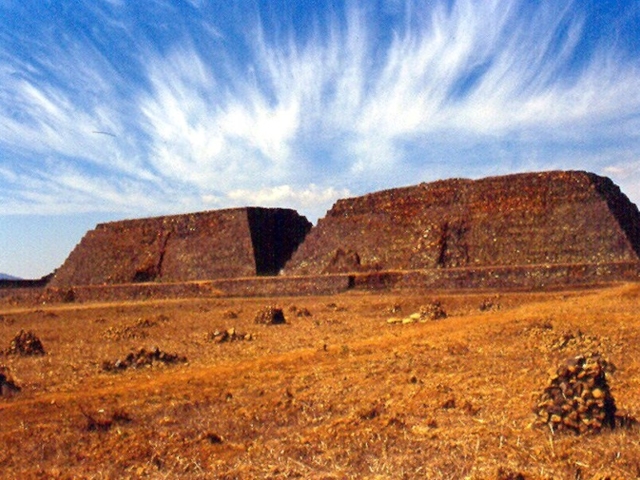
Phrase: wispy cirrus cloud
(219, 110)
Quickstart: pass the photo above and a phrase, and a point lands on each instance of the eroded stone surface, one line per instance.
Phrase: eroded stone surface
(525, 219)
(240, 242)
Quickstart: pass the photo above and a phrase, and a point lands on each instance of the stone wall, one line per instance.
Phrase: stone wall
(526, 219)
(230, 243)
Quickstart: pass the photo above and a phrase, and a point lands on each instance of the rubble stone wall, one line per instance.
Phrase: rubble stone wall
(228, 243)
(524, 219)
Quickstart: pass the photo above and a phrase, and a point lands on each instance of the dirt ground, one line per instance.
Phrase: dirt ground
(337, 392)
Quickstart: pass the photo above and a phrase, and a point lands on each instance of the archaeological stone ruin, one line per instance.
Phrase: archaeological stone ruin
(531, 230)
(241, 242)
(525, 219)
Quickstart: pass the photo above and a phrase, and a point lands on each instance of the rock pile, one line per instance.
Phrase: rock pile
(569, 340)
(142, 358)
(137, 330)
(578, 397)
(8, 386)
(25, 344)
(229, 335)
(270, 316)
(431, 311)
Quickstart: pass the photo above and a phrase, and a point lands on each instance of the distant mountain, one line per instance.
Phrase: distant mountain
(4, 276)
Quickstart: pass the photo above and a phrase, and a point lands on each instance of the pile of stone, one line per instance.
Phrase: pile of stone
(25, 344)
(8, 385)
(136, 330)
(578, 397)
(431, 311)
(142, 358)
(229, 335)
(270, 316)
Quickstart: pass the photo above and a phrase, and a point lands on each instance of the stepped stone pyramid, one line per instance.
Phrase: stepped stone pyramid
(549, 218)
(218, 244)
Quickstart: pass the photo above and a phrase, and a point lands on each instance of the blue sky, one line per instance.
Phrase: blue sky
(113, 109)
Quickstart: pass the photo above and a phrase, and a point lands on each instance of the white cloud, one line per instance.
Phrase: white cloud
(311, 199)
(350, 108)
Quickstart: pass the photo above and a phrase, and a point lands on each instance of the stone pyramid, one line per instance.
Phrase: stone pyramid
(548, 218)
(218, 244)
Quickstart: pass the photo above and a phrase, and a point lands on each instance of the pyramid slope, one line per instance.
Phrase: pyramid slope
(525, 219)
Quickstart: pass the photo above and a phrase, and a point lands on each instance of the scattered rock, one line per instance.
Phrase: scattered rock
(230, 315)
(136, 330)
(8, 385)
(569, 339)
(102, 422)
(270, 316)
(431, 311)
(229, 335)
(142, 358)
(25, 344)
(549, 338)
(395, 308)
(578, 397)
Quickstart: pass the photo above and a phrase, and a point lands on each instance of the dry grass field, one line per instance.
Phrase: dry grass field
(335, 393)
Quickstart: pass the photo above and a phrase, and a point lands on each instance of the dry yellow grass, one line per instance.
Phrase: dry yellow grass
(337, 394)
